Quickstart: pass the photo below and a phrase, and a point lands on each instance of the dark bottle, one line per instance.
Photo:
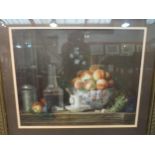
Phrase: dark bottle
(53, 94)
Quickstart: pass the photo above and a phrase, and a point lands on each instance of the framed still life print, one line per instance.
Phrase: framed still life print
(57, 88)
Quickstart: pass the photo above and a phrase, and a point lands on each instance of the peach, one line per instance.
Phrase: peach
(93, 68)
(75, 79)
(78, 84)
(79, 73)
(101, 84)
(90, 85)
(86, 76)
(99, 74)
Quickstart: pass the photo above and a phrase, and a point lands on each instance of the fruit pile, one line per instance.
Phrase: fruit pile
(94, 78)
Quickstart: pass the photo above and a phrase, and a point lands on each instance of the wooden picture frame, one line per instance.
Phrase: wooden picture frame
(83, 130)
(3, 119)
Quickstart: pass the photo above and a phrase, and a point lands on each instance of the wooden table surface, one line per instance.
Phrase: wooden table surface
(78, 118)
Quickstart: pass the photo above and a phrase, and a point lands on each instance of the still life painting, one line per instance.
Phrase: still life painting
(61, 82)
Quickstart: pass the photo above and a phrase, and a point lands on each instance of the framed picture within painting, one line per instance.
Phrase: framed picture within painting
(127, 49)
(112, 49)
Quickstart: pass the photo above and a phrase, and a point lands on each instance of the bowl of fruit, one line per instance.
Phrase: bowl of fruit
(92, 89)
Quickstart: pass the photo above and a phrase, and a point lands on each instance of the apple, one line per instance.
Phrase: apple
(99, 74)
(36, 107)
(42, 102)
(101, 84)
(78, 84)
(90, 85)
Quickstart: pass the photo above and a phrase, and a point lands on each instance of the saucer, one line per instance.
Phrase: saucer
(80, 108)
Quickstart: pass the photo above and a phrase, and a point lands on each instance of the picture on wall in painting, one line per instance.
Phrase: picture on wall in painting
(138, 48)
(127, 49)
(112, 49)
(59, 82)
